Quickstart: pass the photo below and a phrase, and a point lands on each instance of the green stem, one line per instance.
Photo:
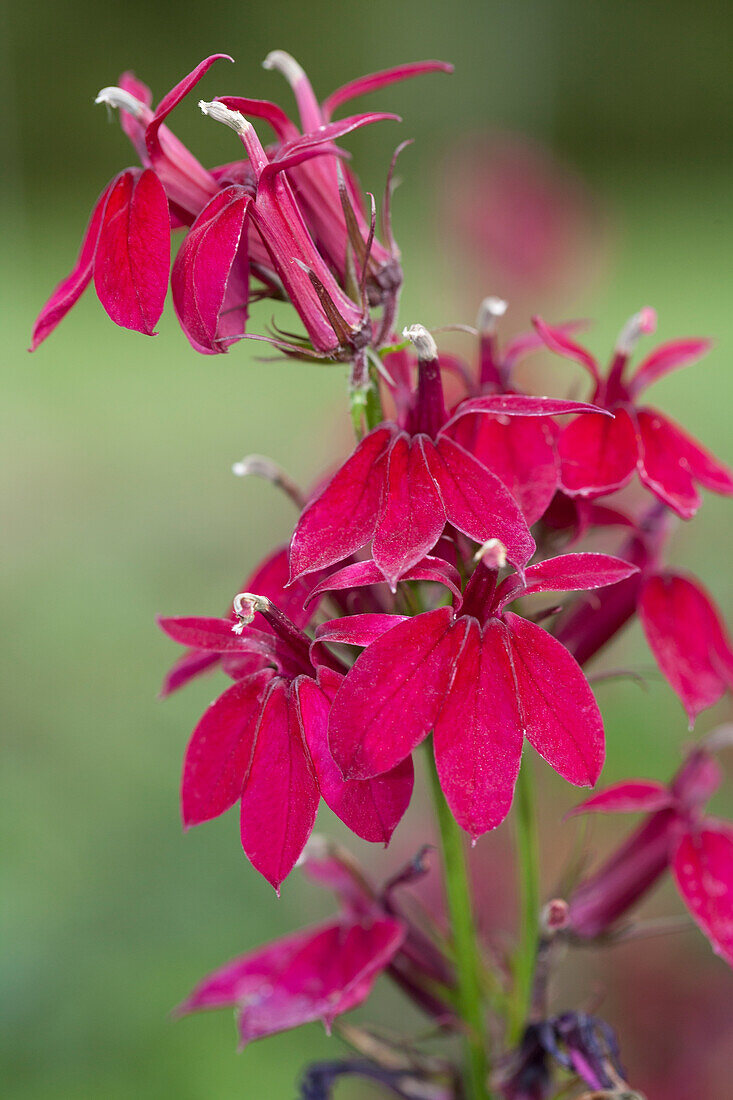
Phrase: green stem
(466, 953)
(529, 900)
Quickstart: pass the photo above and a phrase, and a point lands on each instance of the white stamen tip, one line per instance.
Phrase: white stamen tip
(255, 465)
(492, 553)
(489, 312)
(317, 847)
(641, 324)
(423, 342)
(221, 113)
(286, 64)
(245, 604)
(118, 97)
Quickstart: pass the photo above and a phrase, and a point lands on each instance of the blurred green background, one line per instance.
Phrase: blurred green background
(118, 501)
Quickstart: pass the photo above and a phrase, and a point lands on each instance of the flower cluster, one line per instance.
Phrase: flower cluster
(416, 603)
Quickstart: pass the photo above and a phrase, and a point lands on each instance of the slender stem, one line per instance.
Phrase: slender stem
(529, 900)
(467, 958)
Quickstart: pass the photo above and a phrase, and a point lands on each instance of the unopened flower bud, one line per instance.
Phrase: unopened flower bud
(555, 916)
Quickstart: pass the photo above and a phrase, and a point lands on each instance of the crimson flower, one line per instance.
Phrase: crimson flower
(264, 741)
(126, 246)
(601, 456)
(330, 197)
(675, 834)
(405, 481)
(482, 678)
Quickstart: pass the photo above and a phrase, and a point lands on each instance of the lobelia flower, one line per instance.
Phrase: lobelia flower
(328, 192)
(264, 741)
(520, 450)
(581, 1044)
(600, 457)
(405, 481)
(337, 326)
(482, 678)
(126, 245)
(322, 972)
(676, 834)
(683, 627)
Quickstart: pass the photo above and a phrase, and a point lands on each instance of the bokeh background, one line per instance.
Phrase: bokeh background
(118, 502)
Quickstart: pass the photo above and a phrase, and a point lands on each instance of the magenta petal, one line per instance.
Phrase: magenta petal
(343, 517)
(371, 808)
(598, 455)
(666, 358)
(412, 518)
(528, 342)
(359, 630)
(174, 97)
(521, 452)
(204, 265)
(476, 501)
(214, 635)
(374, 81)
(633, 796)
(703, 867)
(688, 640)
(219, 752)
(390, 699)
(478, 733)
(557, 340)
(132, 259)
(521, 404)
(561, 717)
(331, 131)
(186, 668)
(280, 796)
(312, 975)
(363, 573)
(706, 468)
(566, 573)
(284, 128)
(663, 465)
(70, 289)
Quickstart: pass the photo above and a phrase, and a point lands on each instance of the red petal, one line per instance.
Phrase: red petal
(521, 404)
(521, 452)
(132, 259)
(559, 712)
(412, 518)
(566, 573)
(330, 132)
(687, 637)
(174, 97)
(70, 289)
(359, 630)
(703, 466)
(703, 867)
(556, 339)
(663, 463)
(312, 975)
(666, 358)
(219, 752)
(598, 455)
(343, 518)
(633, 796)
(371, 808)
(215, 635)
(213, 251)
(186, 668)
(285, 129)
(371, 83)
(280, 796)
(390, 699)
(476, 501)
(478, 734)
(363, 573)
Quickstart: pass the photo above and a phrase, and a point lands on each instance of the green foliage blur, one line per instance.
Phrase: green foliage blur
(118, 502)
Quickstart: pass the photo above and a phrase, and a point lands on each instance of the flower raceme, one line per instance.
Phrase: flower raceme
(263, 742)
(405, 481)
(482, 678)
(599, 457)
(675, 834)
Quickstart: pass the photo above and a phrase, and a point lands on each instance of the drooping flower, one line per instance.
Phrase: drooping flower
(405, 481)
(482, 678)
(126, 246)
(264, 741)
(574, 1041)
(600, 457)
(675, 834)
(323, 972)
